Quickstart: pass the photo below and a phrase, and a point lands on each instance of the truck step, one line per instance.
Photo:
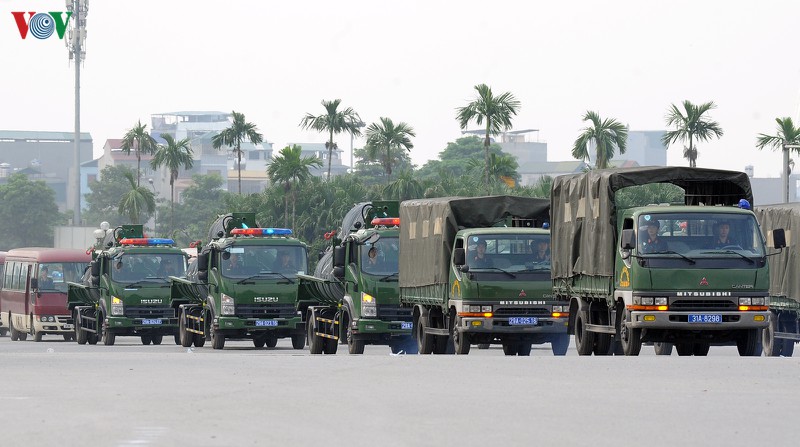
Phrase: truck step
(194, 318)
(787, 336)
(326, 320)
(320, 334)
(194, 331)
(436, 331)
(601, 329)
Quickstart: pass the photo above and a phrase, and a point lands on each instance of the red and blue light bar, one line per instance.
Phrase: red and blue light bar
(143, 241)
(386, 221)
(261, 231)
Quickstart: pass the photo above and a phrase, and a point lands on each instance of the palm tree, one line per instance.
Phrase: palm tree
(233, 137)
(136, 201)
(495, 110)
(384, 137)
(787, 139)
(499, 166)
(290, 168)
(174, 156)
(139, 140)
(334, 122)
(404, 188)
(606, 135)
(690, 126)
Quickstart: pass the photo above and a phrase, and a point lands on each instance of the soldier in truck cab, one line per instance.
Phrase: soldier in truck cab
(652, 243)
(723, 238)
(480, 260)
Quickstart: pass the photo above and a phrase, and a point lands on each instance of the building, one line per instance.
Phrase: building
(318, 150)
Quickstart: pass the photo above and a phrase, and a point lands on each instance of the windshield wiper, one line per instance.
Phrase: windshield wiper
(145, 281)
(731, 252)
(495, 268)
(386, 278)
(670, 252)
(264, 274)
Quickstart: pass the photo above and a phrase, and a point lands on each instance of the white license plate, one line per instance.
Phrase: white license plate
(523, 321)
(152, 321)
(68, 326)
(705, 318)
(266, 323)
(406, 325)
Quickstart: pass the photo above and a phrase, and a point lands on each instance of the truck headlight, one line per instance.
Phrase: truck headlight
(228, 307)
(368, 306)
(661, 301)
(647, 301)
(745, 301)
(117, 308)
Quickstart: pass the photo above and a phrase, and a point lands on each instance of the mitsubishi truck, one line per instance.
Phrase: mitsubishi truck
(243, 285)
(353, 297)
(469, 274)
(692, 274)
(125, 292)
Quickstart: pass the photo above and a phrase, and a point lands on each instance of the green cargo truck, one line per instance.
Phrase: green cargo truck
(468, 272)
(353, 296)
(783, 330)
(692, 275)
(125, 291)
(243, 285)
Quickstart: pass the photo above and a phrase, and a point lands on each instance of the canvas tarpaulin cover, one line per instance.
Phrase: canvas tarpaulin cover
(783, 268)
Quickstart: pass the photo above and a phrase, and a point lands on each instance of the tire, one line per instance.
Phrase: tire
(260, 340)
(80, 335)
(584, 340)
(37, 336)
(788, 345)
(560, 344)
(68, 337)
(424, 341)
(510, 347)
(355, 346)
(662, 348)
(747, 343)
(299, 341)
(157, 339)
(199, 340)
(524, 348)
(186, 337)
(272, 341)
(631, 338)
(3, 332)
(700, 349)
(91, 339)
(331, 345)
(177, 338)
(684, 349)
(146, 339)
(483, 345)
(23, 336)
(315, 343)
(14, 332)
(217, 339)
(461, 340)
(410, 346)
(772, 347)
(109, 337)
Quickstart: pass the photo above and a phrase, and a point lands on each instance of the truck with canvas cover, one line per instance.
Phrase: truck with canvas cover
(125, 291)
(469, 272)
(783, 330)
(353, 296)
(243, 285)
(692, 274)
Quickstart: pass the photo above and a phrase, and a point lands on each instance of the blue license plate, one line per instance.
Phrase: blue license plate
(406, 325)
(523, 321)
(153, 321)
(266, 323)
(705, 318)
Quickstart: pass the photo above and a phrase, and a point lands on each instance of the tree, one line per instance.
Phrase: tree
(334, 122)
(499, 166)
(28, 214)
(385, 137)
(787, 137)
(290, 168)
(690, 126)
(404, 188)
(607, 135)
(139, 140)
(372, 172)
(233, 137)
(137, 201)
(103, 202)
(454, 158)
(174, 155)
(496, 111)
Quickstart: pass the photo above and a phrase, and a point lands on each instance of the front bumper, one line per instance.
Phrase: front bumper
(366, 329)
(63, 324)
(167, 324)
(294, 324)
(679, 320)
(478, 325)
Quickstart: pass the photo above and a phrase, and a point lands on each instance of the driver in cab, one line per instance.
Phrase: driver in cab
(723, 238)
(480, 260)
(652, 243)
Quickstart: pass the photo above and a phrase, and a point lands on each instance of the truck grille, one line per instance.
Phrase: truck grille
(265, 311)
(521, 312)
(149, 312)
(391, 312)
(703, 305)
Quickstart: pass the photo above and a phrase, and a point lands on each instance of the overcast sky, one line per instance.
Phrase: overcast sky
(415, 61)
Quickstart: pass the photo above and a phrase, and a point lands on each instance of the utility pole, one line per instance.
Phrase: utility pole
(77, 53)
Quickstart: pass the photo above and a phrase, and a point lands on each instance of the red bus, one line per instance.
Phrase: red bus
(33, 296)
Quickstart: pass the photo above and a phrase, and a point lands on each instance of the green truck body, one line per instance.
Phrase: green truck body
(238, 287)
(688, 292)
(125, 291)
(783, 331)
(351, 299)
(459, 297)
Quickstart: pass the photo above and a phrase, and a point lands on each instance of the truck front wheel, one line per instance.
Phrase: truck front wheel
(662, 348)
(299, 341)
(80, 334)
(584, 340)
(631, 338)
(560, 344)
(747, 343)
(424, 341)
(461, 340)
(217, 339)
(185, 336)
(315, 342)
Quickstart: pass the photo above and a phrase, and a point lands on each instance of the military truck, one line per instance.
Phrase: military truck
(693, 274)
(353, 296)
(468, 273)
(243, 285)
(783, 330)
(125, 291)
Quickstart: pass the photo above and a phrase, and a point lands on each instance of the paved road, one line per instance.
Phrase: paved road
(58, 392)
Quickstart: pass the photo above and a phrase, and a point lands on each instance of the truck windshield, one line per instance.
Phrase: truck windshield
(380, 258)
(699, 235)
(247, 261)
(145, 267)
(54, 275)
(509, 252)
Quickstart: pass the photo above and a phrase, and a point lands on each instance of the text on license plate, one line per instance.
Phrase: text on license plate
(266, 323)
(515, 321)
(406, 325)
(152, 321)
(705, 318)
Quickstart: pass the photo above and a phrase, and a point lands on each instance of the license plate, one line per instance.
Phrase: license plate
(705, 318)
(266, 323)
(517, 321)
(68, 326)
(406, 325)
(152, 321)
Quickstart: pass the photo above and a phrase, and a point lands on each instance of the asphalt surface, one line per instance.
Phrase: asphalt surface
(61, 393)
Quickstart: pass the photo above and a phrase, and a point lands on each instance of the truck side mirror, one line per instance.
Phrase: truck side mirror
(459, 256)
(338, 272)
(779, 238)
(202, 262)
(95, 267)
(339, 257)
(628, 242)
